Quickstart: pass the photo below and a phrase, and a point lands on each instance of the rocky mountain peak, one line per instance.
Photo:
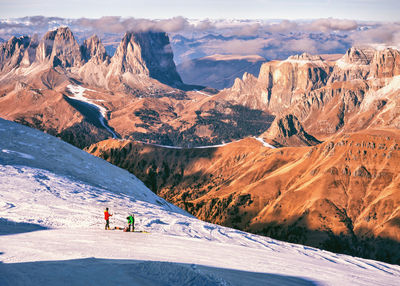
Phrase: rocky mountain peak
(30, 51)
(12, 51)
(128, 57)
(288, 131)
(359, 56)
(385, 63)
(60, 48)
(305, 57)
(93, 49)
(147, 53)
(353, 65)
(246, 82)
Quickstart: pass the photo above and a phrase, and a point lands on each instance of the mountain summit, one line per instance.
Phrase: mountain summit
(146, 53)
(59, 47)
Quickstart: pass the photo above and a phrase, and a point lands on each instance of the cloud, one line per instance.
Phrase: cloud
(203, 25)
(383, 34)
(330, 24)
(121, 25)
(284, 26)
(273, 39)
(235, 46)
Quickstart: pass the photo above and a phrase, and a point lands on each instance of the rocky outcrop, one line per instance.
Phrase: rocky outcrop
(59, 48)
(327, 97)
(30, 52)
(288, 131)
(355, 64)
(286, 81)
(12, 52)
(94, 71)
(385, 64)
(146, 54)
(280, 83)
(93, 50)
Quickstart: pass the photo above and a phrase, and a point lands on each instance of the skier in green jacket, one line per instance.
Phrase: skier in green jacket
(131, 222)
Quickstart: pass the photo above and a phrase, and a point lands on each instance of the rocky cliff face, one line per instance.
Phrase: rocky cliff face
(385, 64)
(353, 65)
(288, 131)
(93, 50)
(280, 83)
(12, 52)
(326, 97)
(147, 54)
(59, 48)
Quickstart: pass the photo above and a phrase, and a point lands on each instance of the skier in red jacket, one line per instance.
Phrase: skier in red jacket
(107, 218)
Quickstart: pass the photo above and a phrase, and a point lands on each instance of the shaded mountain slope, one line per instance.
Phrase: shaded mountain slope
(340, 195)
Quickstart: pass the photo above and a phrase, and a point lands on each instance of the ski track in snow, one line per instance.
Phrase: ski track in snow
(66, 190)
(78, 92)
(23, 155)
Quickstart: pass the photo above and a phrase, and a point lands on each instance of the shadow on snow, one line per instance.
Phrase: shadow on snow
(93, 271)
(8, 227)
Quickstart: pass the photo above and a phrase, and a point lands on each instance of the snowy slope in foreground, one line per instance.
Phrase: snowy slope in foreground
(51, 231)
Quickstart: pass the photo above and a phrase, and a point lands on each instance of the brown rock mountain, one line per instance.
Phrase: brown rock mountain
(356, 92)
(148, 54)
(341, 195)
(142, 95)
(288, 131)
(280, 83)
(93, 50)
(12, 53)
(136, 94)
(59, 48)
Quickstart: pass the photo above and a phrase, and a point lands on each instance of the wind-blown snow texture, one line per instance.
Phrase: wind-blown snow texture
(52, 197)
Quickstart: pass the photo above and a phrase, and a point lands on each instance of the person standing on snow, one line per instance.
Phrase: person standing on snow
(107, 218)
(131, 222)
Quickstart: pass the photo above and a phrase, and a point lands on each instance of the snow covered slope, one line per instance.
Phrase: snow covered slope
(52, 196)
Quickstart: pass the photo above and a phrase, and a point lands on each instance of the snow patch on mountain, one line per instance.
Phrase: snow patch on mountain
(78, 94)
(265, 144)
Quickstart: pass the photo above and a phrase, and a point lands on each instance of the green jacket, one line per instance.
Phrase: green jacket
(131, 219)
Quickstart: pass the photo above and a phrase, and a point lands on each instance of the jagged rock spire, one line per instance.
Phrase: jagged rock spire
(60, 48)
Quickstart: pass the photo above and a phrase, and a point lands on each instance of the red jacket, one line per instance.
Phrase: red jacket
(107, 215)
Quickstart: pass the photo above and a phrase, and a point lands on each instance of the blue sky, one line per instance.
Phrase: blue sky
(374, 10)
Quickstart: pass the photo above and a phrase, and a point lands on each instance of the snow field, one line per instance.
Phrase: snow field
(52, 197)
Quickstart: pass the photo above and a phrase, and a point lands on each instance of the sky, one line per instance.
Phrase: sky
(365, 10)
